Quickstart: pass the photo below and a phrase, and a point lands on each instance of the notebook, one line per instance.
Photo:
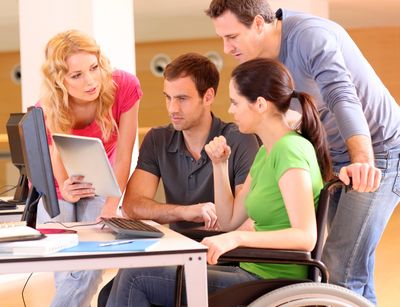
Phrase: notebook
(96, 246)
(50, 244)
(86, 156)
(17, 231)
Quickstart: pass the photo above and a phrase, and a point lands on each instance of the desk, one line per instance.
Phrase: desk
(172, 249)
(12, 215)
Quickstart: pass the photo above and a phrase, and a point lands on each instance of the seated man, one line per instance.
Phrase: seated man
(175, 153)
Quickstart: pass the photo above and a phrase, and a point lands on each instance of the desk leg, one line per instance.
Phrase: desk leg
(196, 280)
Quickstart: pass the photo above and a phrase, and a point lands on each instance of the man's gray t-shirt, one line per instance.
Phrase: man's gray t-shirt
(186, 181)
(352, 100)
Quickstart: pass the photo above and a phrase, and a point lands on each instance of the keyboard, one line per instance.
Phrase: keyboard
(18, 231)
(7, 205)
(128, 228)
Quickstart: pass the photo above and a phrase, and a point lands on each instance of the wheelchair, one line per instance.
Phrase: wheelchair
(314, 291)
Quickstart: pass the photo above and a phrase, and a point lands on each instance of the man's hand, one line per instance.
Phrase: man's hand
(74, 188)
(365, 177)
(218, 245)
(217, 150)
(203, 212)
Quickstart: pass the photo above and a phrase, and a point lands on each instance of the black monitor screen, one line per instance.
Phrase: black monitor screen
(17, 157)
(38, 166)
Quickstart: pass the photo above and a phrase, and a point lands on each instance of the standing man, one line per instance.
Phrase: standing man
(360, 116)
(175, 153)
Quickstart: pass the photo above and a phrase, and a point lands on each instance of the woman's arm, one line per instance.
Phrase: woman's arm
(230, 210)
(126, 139)
(296, 189)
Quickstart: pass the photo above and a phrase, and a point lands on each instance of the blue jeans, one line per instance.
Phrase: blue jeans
(146, 286)
(78, 287)
(356, 222)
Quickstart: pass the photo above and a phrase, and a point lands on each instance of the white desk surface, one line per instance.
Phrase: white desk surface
(11, 215)
(18, 211)
(172, 249)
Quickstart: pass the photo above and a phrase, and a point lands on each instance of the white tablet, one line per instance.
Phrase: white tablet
(86, 156)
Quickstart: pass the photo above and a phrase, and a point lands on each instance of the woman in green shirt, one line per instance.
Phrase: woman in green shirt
(282, 188)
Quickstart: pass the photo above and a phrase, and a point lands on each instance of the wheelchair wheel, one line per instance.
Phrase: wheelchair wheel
(311, 294)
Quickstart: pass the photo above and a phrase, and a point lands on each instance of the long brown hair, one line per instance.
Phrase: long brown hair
(271, 80)
(55, 99)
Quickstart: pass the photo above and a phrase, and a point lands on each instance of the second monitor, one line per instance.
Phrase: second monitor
(17, 158)
(35, 149)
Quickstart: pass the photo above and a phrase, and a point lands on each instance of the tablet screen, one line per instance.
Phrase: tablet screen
(86, 156)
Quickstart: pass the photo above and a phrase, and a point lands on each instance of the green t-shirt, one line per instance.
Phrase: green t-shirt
(264, 202)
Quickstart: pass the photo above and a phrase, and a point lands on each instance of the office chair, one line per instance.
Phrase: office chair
(277, 292)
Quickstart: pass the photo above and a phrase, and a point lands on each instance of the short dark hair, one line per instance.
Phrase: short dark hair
(245, 10)
(196, 66)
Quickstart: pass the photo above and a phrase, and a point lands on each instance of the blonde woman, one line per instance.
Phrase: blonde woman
(83, 96)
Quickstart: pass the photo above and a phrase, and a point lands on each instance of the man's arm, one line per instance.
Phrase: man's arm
(342, 99)
(139, 203)
(365, 176)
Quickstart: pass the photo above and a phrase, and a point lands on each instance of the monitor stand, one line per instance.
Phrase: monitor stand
(22, 189)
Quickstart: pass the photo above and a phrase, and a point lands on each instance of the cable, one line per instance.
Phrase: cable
(36, 200)
(23, 289)
(73, 226)
(7, 185)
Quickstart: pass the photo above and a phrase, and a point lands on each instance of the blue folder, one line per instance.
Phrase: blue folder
(94, 246)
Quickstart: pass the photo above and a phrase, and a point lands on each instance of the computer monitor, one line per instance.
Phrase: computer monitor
(17, 158)
(36, 155)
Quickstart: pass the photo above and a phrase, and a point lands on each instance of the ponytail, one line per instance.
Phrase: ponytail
(312, 129)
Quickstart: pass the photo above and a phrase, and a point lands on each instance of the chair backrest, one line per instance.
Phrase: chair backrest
(321, 216)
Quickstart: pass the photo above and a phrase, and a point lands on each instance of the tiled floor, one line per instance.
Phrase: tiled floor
(40, 287)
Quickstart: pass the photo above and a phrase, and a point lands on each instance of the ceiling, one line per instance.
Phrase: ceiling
(162, 20)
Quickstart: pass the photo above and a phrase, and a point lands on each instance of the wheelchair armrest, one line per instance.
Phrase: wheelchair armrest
(267, 255)
(249, 254)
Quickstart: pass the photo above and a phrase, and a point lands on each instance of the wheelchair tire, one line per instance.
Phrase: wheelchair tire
(311, 294)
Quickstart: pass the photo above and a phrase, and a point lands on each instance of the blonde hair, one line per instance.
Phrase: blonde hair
(54, 98)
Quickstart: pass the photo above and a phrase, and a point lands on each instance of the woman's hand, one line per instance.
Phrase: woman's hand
(220, 244)
(203, 212)
(74, 188)
(217, 150)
